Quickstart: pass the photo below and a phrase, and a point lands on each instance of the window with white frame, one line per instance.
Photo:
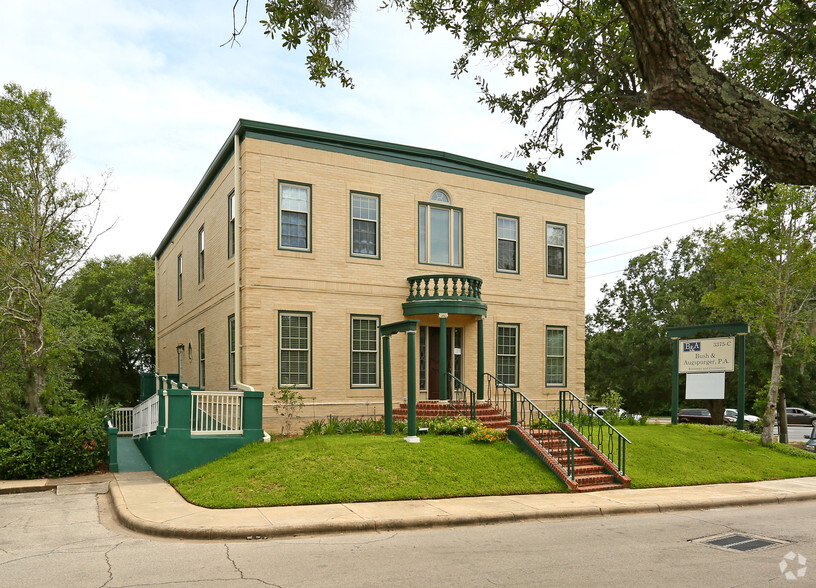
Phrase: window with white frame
(507, 353)
(295, 349)
(507, 231)
(231, 224)
(365, 351)
(294, 216)
(440, 231)
(556, 250)
(202, 380)
(364, 225)
(556, 353)
(201, 254)
(231, 350)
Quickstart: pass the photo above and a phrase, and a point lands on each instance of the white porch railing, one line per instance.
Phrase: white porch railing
(122, 419)
(146, 416)
(217, 413)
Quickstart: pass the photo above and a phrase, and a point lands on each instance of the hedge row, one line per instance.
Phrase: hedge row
(53, 446)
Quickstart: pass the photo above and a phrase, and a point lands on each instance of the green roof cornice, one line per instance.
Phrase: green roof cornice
(371, 149)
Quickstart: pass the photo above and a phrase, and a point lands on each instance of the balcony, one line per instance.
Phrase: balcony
(444, 293)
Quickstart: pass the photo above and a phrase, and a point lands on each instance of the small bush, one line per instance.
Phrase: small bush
(49, 447)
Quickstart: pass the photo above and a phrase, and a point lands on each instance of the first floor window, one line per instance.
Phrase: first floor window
(364, 351)
(231, 348)
(556, 356)
(556, 251)
(202, 381)
(179, 357)
(364, 221)
(506, 244)
(294, 216)
(507, 354)
(295, 349)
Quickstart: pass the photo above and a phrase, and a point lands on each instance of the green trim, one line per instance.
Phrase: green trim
(518, 352)
(518, 244)
(546, 351)
(308, 248)
(566, 252)
(398, 327)
(428, 234)
(352, 193)
(378, 150)
(378, 318)
(230, 357)
(308, 313)
(440, 305)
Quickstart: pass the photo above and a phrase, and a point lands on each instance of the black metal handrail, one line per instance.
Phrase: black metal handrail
(459, 395)
(611, 442)
(497, 394)
(553, 438)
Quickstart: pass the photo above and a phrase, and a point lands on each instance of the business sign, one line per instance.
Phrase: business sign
(700, 356)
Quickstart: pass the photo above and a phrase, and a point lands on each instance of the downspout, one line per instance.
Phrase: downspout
(237, 267)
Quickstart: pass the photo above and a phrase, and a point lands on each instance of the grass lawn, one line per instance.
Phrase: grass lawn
(684, 455)
(354, 468)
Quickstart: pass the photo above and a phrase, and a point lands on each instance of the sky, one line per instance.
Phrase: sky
(150, 94)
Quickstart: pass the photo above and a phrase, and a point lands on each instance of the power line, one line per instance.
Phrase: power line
(606, 274)
(619, 254)
(661, 228)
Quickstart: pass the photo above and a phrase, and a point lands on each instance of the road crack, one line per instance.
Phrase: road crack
(241, 573)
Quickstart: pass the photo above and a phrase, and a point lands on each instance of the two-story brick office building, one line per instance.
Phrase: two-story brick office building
(280, 269)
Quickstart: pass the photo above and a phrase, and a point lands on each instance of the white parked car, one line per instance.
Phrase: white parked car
(749, 418)
(602, 410)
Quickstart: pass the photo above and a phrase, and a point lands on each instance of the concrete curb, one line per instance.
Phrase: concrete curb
(173, 530)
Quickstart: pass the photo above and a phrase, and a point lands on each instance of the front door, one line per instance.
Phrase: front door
(429, 358)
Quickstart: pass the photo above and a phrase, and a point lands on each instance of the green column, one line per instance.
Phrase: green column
(741, 384)
(675, 379)
(443, 356)
(412, 418)
(387, 399)
(480, 357)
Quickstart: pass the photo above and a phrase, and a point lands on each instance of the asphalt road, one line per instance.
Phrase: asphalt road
(66, 540)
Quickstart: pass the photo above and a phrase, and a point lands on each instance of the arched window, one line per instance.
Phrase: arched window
(440, 196)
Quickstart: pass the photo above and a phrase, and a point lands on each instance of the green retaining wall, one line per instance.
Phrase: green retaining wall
(176, 450)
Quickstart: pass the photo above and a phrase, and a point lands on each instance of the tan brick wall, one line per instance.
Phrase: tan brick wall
(332, 285)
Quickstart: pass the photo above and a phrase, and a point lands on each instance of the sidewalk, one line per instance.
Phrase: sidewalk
(145, 503)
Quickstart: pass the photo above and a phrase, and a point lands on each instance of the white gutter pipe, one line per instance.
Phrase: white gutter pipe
(237, 267)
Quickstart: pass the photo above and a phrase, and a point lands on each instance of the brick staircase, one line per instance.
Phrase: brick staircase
(590, 473)
(485, 413)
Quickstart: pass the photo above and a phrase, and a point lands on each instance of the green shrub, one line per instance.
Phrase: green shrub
(53, 446)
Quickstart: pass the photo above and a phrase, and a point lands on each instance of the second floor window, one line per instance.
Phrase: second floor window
(556, 251)
(178, 277)
(507, 244)
(440, 232)
(294, 216)
(364, 225)
(201, 254)
(231, 224)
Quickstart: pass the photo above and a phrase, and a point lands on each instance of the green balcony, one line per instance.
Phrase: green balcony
(444, 293)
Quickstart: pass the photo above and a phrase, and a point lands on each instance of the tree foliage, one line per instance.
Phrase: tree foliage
(46, 228)
(766, 272)
(119, 293)
(743, 70)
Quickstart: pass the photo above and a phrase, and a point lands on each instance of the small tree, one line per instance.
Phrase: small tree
(766, 275)
(288, 404)
(46, 225)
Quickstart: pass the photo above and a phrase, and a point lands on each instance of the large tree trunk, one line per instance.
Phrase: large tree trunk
(34, 364)
(773, 394)
(676, 77)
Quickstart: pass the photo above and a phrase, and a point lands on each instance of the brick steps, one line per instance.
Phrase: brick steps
(485, 413)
